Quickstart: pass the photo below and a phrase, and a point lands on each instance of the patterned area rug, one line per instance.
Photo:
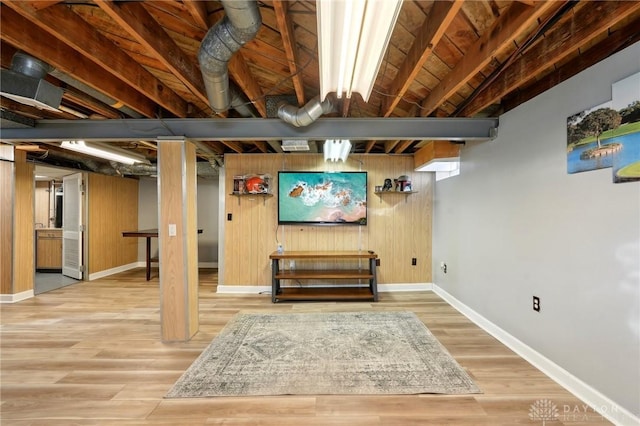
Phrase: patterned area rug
(323, 353)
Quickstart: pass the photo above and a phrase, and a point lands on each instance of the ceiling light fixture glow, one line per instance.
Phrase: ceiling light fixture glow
(352, 38)
(336, 149)
(99, 150)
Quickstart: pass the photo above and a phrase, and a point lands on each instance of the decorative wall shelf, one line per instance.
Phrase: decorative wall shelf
(384, 193)
(264, 196)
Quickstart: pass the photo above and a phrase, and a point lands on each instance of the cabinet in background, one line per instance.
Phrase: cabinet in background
(49, 249)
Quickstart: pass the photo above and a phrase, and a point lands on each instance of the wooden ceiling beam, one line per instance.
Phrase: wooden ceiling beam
(585, 25)
(198, 10)
(402, 147)
(615, 42)
(241, 73)
(389, 146)
(262, 146)
(519, 17)
(134, 18)
(428, 36)
(70, 28)
(40, 44)
(79, 98)
(42, 4)
(235, 146)
(285, 26)
(215, 146)
(369, 146)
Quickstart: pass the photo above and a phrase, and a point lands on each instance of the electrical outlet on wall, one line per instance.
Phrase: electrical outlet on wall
(536, 303)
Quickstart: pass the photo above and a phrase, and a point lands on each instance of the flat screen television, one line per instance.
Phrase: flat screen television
(322, 198)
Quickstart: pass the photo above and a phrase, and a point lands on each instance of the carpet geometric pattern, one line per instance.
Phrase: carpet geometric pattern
(323, 353)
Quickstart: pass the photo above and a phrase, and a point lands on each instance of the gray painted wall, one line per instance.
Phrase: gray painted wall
(207, 217)
(514, 224)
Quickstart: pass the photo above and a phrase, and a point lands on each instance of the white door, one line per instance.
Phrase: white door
(72, 228)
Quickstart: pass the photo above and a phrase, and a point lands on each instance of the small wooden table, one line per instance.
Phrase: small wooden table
(148, 234)
(325, 292)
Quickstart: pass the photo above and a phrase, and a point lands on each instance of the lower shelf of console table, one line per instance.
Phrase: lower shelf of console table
(334, 292)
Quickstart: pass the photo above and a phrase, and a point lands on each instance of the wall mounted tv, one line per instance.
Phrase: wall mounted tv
(322, 198)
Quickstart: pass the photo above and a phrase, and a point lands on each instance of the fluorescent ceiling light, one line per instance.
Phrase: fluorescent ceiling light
(102, 150)
(335, 150)
(353, 36)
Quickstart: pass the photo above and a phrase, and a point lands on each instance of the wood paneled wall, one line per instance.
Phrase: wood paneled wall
(6, 226)
(398, 229)
(42, 204)
(112, 209)
(24, 240)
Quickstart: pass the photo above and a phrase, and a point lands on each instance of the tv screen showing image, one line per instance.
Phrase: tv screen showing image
(322, 198)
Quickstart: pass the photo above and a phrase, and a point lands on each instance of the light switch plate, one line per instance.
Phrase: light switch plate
(172, 230)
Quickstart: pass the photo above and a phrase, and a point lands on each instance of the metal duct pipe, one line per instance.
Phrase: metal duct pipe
(241, 24)
(240, 103)
(28, 65)
(301, 117)
(137, 169)
(95, 94)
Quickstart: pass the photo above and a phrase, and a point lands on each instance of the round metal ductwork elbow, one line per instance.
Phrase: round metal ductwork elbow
(301, 117)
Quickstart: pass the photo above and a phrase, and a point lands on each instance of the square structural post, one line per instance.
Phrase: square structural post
(177, 239)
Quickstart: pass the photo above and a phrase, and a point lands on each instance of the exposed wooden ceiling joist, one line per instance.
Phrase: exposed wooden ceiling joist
(573, 33)
(446, 58)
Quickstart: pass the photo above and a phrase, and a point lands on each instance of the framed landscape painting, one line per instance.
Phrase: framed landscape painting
(608, 135)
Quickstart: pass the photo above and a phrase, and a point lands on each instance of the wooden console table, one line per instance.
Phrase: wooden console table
(328, 292)
(148, 234)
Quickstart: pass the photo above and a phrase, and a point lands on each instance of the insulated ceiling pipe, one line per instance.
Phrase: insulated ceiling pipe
(241, 24)
(301, 117)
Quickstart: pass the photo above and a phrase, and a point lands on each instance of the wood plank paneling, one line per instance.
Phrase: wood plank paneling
(398, 229)
(23, 210)
(113, 208)
(6, 225)
(179, 252)
(42, 200)
(191, 213)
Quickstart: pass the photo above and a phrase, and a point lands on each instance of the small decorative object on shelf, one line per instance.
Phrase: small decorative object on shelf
(387, 185)
(403, 184)
(238, 184)
(252, 184)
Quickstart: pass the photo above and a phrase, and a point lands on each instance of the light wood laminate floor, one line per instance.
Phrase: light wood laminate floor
(90, 354)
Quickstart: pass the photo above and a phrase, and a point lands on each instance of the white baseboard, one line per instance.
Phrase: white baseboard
(13, 298)
(390, 288)
(599, 402)
(243, 289)
(116, 270)
(123, 268)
